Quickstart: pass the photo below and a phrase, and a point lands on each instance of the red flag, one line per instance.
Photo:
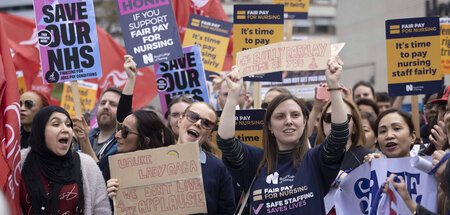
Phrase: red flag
(111, 54)
(22, 38)
(9, 126)
(208, 8)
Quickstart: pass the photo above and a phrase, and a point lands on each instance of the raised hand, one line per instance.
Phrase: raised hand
(130, 66)
(234, 81)
(333, 73)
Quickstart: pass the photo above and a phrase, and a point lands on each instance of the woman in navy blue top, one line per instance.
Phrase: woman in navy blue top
(289, 178)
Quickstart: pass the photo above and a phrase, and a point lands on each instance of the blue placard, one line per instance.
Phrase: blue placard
(150, 31)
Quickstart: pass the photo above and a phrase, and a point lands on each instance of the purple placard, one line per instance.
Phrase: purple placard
(133, 6)
(68, 42)
(183, 76)
(149, 30)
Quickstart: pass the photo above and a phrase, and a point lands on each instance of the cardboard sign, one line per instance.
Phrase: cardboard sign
(67, 36)
(87, 93)
(182, 76)
(166, 180)
(294, 9)
(213, 36)
(21, 82)
(257, 25)
(249, 126)
(149, 30)
(413, 56)
(357, 190)
(293, 55)
(445, 45)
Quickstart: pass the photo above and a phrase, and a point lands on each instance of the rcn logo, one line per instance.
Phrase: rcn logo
(409, 88)
(272, 178)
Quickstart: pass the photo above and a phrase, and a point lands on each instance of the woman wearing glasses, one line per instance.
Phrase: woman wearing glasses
(355, 150)
(30, 103)
(195, 125)
(285, 177)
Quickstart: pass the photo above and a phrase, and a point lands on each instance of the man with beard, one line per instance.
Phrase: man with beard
(103, 138)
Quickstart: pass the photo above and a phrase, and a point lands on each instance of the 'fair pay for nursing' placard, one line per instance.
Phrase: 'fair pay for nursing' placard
(149, 30)
(413, 56)
(213, 36)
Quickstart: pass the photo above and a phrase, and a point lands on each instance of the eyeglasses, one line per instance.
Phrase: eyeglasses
(194, 117)
(264, 105)
(125, 131)
(327, 117)
(29, 104)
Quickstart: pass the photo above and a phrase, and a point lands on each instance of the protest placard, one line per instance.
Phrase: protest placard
(182, 76)
(357, 190)
(292, 55)
(249, 126)
(67, 37)
(213, 36)
(166, 180)
(149, 30)
(413, 56)
(445, 45)
(21, 82)
(87, 92)
(294, 9)
(257, 25)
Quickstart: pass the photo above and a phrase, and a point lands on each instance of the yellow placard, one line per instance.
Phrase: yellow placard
(88, 93)
(21, 82)
(445, 45)
(213, 36)
(300, 6)
(248, 36)
(410, 59)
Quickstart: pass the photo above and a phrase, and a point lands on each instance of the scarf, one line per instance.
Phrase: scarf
(58, 170)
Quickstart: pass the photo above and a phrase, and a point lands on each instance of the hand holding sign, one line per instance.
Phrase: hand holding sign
(112, 186)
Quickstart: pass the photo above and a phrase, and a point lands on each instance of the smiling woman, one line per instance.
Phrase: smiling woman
(275, 176)
(50, 169)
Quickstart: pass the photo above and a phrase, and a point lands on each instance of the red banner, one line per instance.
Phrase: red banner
(22, 39)
(9, 126)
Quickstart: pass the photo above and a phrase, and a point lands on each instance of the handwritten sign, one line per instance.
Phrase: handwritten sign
(413, 56)
(67, 37)
(87, 93)
(294, 9)
(213, 36)
(182, 76)
(293, 55)
(149, 30)
(445, 44)
(166, 180)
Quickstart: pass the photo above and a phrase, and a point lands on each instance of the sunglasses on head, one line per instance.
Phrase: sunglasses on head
(125, 131)
(264, 105)
(327, 117)
(194, 117)
(29, 104)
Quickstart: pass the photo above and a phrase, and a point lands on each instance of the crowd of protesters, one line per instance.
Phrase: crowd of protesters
(307, 147)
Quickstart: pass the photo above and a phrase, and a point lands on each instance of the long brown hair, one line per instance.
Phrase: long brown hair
(358, 137)
(270, 156)
(208, 145)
